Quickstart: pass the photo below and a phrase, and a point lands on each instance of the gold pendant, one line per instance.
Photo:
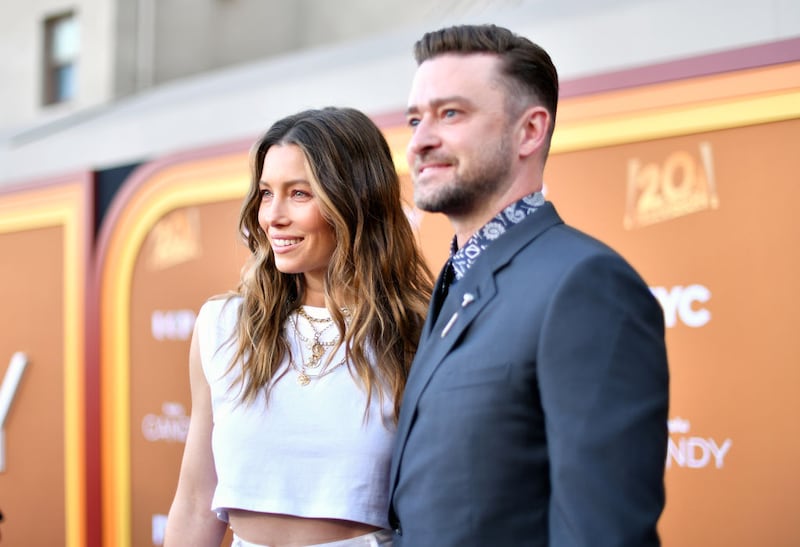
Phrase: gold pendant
(303, 379)
(317, 351)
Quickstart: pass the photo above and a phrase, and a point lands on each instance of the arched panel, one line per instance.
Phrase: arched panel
(44, 243)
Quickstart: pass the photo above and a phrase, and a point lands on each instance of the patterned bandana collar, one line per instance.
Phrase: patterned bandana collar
(462, 259)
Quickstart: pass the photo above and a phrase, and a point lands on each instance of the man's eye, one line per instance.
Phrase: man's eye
(449, 113)
(413, 122)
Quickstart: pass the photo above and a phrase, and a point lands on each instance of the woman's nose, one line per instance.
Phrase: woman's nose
(273, 212)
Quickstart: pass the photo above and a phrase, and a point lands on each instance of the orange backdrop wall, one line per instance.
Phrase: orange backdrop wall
(694, 181)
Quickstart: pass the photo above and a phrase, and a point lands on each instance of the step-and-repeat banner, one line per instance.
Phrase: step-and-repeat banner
(695, 182)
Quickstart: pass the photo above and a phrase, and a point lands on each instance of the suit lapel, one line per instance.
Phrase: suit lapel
(437, 301)
(458, 309)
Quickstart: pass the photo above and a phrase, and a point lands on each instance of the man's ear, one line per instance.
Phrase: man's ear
(534, 130)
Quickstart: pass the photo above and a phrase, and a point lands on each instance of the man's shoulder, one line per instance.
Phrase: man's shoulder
(571, 236)
(569, 242)
(563, 248)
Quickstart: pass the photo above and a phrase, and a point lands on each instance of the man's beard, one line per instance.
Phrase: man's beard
(467, 190)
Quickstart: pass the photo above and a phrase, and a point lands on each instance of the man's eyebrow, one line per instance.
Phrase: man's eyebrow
(436, 103)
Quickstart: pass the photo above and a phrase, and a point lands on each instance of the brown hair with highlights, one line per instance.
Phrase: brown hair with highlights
(376, 271)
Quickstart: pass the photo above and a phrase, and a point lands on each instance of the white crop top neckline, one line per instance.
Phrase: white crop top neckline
(309, 452)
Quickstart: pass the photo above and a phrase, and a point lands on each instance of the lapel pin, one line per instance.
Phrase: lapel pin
(449, 324)
(468, 298)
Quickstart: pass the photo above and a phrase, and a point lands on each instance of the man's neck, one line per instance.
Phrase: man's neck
(466, 225)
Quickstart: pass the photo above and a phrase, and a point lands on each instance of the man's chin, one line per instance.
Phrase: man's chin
(447, 207)
(450, 200)
(429, 205)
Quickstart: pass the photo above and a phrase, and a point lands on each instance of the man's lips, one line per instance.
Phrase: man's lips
(431, 166)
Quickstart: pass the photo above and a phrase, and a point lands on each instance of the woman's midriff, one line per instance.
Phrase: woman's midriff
(278, 530)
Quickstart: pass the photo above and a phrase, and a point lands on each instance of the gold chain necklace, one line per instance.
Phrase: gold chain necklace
(317, 347)
(303, 378)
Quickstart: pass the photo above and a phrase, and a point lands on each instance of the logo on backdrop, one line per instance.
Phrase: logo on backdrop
(174, 239)
(694, 452)
(684, 304)
(8, 389)
(159, 526)
(172, 324)
(681, 184)
(171, 425)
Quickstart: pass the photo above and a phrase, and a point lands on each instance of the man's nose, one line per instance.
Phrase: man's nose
(423, 138)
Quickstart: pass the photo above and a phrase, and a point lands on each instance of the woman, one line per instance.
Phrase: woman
(296, 379)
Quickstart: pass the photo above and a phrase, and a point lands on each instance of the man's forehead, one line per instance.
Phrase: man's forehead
(446, 62)
(457, 77)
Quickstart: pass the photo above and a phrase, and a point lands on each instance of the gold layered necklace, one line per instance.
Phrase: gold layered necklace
(316, 346)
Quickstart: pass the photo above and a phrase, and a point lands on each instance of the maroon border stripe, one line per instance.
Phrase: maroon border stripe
(772, 53)
(783, 51)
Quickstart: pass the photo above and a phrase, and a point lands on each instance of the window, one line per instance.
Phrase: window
(61, 38)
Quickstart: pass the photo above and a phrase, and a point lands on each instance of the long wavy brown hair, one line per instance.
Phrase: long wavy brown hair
(376, 272)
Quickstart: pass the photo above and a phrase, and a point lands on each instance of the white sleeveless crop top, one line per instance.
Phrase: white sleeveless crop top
(310, 452)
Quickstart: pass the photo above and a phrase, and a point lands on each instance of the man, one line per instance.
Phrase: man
(536, 408)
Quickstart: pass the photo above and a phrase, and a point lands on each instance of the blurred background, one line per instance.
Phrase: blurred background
(125, 127)
(97, 83)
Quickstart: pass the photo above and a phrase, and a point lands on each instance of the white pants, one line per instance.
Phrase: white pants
(381, 538)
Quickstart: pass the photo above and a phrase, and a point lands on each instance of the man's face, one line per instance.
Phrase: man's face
(460, 153)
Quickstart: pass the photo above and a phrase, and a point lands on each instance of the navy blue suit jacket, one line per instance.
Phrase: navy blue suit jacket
(535, 412)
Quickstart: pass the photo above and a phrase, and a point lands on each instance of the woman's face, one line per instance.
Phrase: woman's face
(301, 239)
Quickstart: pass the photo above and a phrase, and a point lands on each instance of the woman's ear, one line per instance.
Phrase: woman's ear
(534, 131)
